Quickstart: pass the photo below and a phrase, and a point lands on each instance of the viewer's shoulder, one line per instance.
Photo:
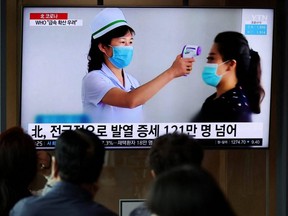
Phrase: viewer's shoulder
(101, 210)
(24, 206)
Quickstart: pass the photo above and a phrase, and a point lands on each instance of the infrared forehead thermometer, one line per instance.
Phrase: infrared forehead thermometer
(190, 51)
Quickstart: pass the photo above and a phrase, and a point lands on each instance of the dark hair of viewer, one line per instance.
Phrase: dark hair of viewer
(187, 191)
(80, 156)
(172, 150)
(18, 167)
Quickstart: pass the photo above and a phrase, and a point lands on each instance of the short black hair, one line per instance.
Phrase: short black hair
(80, 156)
(172, 150)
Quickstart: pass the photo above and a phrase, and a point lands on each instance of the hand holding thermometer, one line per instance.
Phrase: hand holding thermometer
(190, 51)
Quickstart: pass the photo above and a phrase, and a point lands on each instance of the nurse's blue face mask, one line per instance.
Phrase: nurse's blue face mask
(209, 74)
(122, 56)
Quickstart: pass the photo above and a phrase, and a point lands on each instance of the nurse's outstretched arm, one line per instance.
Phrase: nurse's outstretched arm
(140, 95)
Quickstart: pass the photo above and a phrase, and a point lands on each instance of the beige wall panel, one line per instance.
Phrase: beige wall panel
(125, 176)
(12, 66)
(208, 3)
(144, 3)
(106, 2)
(247, 181)
(60, 2)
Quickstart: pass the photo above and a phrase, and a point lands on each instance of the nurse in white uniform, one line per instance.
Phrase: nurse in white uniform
(109, 94)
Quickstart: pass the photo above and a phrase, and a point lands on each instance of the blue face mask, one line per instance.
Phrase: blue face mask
(209, 74)
(122, 56)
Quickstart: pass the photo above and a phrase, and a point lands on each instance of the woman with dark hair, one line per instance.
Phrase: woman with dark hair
(187, 191)
(18, 167)
(109, 94)
(234, 70)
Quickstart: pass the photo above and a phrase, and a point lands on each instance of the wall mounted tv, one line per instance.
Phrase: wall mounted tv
(55, 44)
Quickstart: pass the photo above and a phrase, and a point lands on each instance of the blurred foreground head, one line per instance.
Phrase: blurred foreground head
(79, 156)
(186, 191)
(171, 150)
(18, 166)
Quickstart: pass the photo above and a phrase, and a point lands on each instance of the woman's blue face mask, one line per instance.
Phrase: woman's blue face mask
(122, 56)
(209, 74)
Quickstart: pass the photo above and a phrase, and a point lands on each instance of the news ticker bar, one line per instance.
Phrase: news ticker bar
(146, 144)
(141, 135)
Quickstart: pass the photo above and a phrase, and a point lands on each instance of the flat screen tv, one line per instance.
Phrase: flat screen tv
(55, 45)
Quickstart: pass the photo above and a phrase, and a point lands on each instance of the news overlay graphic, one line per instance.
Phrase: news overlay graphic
(53, 19)
(257, 25)
(141, 136)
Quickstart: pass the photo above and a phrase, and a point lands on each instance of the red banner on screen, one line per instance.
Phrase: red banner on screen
(54, 16)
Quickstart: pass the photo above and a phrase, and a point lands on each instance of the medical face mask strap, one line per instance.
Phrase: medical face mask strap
(223, 64)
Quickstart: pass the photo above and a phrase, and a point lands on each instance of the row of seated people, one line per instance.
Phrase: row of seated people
(180, 187)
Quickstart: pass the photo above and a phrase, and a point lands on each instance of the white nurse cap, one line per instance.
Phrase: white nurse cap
(107, 20)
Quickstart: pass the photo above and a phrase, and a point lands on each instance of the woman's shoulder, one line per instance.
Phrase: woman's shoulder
(95, 74)
(236, 94)
(236, 98)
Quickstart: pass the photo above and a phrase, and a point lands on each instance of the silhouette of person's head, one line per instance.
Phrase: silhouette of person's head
(18, 167)
(79, 156)
(172, 150)
(187, 190)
